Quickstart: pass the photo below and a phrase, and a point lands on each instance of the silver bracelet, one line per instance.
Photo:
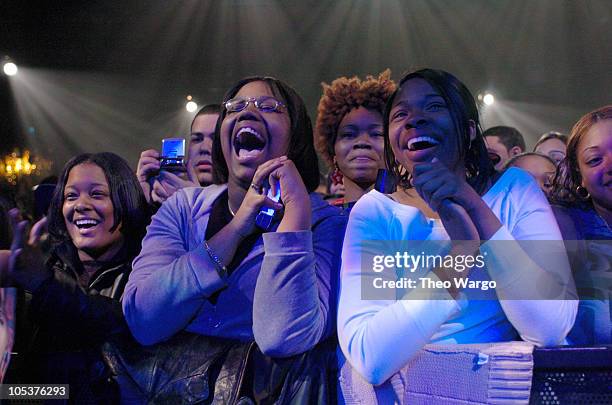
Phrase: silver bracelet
(221, 269)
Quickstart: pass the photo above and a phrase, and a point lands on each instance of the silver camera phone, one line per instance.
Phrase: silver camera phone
(173, 154)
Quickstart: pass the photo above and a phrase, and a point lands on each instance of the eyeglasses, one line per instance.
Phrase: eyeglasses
(264, 104)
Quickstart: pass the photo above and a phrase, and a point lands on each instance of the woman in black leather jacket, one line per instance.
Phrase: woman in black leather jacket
(96, 221)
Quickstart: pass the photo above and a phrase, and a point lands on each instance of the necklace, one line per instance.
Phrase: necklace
(230, 209)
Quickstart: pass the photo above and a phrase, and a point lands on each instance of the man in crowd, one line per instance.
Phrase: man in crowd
(503, 143)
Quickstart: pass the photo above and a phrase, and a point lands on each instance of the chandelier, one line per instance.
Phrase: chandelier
(13, 166)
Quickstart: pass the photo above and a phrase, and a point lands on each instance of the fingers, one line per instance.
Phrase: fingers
(422, 168)
(159, 193)
(148, 167)
(150, 153)
(18, 235)
(264, 170)
(428, 187)
(292, 188)
(425, 177)
(434, 183)
(274, 185)
(148, 164)
(440, 196)
(14, 217)
(171, 179)
(19, 227)
(37, 231)
(270, 203)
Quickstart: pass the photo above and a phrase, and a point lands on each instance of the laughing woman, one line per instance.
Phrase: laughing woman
(448, 192)
(207, 268)
(97, 219)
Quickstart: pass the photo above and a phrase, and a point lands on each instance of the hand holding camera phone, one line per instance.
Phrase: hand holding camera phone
(265, 216)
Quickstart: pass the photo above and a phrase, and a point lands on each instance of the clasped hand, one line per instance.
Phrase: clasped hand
(449, 195)
(295, 200)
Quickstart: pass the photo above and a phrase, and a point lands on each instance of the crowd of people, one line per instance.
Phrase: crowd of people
(236, 278)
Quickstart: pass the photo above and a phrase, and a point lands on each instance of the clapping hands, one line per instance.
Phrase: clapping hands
(23, 265)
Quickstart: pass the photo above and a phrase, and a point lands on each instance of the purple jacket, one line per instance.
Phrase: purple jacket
(282, 295)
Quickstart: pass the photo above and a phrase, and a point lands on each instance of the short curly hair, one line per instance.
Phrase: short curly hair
(340, 97)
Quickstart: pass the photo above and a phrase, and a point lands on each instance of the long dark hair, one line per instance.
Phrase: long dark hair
(130, 207)
(301, 145)
(463, 109)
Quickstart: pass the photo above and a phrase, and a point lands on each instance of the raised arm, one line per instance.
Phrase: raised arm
(296, 291)
(171, 277)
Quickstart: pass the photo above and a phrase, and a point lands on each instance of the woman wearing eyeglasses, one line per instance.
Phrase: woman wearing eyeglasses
(207, 268)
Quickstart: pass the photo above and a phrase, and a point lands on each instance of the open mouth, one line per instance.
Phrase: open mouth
(86, 223)
(248, 142)
(421, 143)
(494, 158)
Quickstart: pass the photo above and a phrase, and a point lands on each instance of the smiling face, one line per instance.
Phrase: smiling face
(554, 148)
(200, 146)
(595, 163)
(421, 127)
(88, 213)
(251, 137)
(359, 145)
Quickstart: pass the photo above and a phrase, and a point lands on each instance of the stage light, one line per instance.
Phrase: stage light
(191, 106)
(10, 69)
(488, 99)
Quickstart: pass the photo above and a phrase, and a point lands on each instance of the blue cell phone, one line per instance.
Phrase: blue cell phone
(265, 216)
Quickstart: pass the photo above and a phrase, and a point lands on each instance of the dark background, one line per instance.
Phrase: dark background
(113, 75)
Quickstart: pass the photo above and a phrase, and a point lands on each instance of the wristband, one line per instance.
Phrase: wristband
(221, 269)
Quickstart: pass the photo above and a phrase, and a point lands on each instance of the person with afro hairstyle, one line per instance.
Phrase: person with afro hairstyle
(349, 131)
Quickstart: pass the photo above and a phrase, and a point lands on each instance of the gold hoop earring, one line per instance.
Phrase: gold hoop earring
(582, 193)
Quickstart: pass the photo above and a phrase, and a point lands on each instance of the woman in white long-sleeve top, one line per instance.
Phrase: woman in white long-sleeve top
(448, 191)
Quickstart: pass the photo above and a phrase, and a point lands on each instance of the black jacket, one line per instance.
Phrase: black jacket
(70, 316)
(70, 322)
